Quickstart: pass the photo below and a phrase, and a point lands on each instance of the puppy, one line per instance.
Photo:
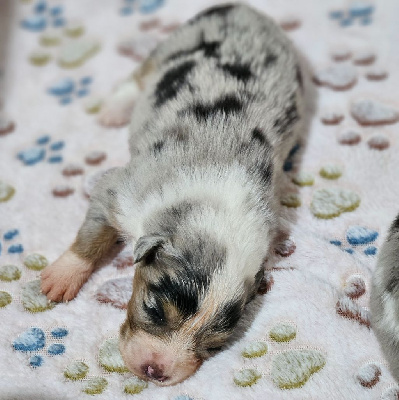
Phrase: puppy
(221, 108)
(384, 299)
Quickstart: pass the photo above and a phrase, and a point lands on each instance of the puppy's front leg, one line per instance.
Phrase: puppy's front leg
(62, 280)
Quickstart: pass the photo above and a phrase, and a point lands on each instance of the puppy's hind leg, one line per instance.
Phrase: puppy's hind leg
(117, 109)
(62, 280)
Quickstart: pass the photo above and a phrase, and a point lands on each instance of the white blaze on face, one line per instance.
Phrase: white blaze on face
(163, 362)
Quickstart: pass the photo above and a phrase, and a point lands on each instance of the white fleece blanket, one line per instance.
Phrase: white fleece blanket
(309, 336)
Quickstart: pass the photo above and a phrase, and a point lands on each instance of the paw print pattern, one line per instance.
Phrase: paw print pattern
(135, 386)
(183, 397)
(110, 357)
(376, 142)
(14, 248)
(6, 192)
(332, 117)
(255, 349)
(116, 292)
(143, 6)
(39, 152)
(332, 202)
(111, 361)
(33, 300)
(31, 297)
(326, 203)
(282, 333)
(336, 77)
(66, 89)
(369, 375)
(246, 377)
(289, 23)
(356, 238)
(94, 158)
(370, 112)
(347, 307)
(43, 16)
(70, 53)
(9, 272)
(358, 12)
(5, 299)
(355, 287)
(366, 111)
(303, 178)
(34, 340)
(78, 370)
(289, 368)
(6, 125)
(292, 368)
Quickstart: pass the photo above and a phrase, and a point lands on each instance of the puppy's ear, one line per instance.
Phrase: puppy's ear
(147, 246)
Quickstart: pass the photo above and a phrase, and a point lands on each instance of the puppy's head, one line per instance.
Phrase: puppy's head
(183, 308)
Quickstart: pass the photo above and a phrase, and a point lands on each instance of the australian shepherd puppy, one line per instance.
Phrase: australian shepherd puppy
(220, 108)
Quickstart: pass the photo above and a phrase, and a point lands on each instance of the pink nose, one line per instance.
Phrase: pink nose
(154, 372)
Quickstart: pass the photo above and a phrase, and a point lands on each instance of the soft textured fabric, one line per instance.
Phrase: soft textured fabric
(309, 335)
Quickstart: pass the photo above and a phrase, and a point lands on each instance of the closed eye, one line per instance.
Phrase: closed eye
(214, 349)
(155, 313)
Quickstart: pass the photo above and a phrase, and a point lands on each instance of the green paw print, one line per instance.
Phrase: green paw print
(327, 203)
(246, 377)
(255, 349)
(76, 371)
(289, 369)
(282, 333)
(293, 368)
(110, 359)
(33, 300)
(134, 385)
(331, 203)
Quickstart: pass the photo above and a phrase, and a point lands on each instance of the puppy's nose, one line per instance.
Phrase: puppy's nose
(154, 372)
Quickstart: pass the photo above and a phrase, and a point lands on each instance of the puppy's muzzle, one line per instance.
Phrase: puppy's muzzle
(154, 372)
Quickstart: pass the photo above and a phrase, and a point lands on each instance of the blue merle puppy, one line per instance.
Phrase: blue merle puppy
(221, 107)
(384, 298)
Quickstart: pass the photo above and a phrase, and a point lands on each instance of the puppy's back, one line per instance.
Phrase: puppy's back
(226, 88)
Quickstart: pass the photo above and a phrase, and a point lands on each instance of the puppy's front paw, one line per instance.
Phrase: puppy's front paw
(62, 280)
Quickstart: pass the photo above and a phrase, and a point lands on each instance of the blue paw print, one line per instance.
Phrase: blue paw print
(144, 6)
(34, 340)
(38, 153)
(127, 8)
(42, 16)
(149, 6)
(361, 11)
(66, 88)
(13, 248)
(56, 348)
(357, 236)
